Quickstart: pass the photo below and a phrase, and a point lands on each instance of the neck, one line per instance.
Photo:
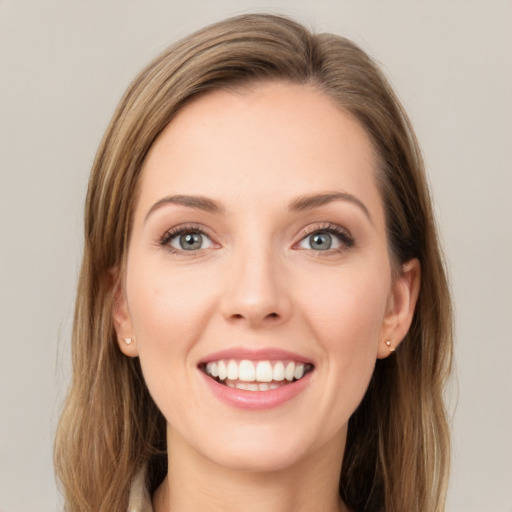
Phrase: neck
(194, 483)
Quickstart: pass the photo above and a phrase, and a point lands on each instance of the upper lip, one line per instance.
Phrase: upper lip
(264, 354)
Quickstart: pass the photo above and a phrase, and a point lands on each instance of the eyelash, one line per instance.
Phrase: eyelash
(345, 238)
(178, 231)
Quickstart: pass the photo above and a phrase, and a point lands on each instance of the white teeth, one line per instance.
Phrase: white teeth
(278, 371)
(299, 371)
(246, 371)
(264, 371)
(212, 369)
(232, 370)
(222, 370)
(290, 371)
(255, 375)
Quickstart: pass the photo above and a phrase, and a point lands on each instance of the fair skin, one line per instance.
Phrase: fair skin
(282, 257)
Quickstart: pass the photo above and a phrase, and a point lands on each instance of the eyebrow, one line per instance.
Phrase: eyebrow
(197, 202)
(310, 202)
(302, 203)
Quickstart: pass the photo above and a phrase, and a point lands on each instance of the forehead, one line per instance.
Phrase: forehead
(284, 138)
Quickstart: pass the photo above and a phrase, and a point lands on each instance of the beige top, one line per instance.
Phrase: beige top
(139, 500)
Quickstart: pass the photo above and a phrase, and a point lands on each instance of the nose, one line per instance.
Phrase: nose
(256, 291)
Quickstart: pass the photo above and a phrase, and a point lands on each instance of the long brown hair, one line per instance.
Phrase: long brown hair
(397, 452)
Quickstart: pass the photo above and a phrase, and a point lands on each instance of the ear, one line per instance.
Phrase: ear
(121, 317)
(400, 308)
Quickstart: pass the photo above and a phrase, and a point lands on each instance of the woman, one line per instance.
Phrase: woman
(263, 318)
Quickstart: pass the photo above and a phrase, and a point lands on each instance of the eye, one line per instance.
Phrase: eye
(186, 239)
(331, 238)
(320, 241)
(190, 242)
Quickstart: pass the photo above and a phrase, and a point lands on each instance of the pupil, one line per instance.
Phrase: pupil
(191, 241)
(321, 241)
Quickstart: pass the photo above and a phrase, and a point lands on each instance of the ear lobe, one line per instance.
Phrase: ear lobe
(401, 306)
(121, 317)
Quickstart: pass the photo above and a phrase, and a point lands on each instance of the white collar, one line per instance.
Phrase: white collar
(139, 500)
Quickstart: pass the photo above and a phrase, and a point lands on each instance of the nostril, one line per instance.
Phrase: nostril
(272, 315)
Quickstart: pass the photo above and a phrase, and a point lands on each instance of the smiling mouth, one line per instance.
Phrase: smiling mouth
(250, 375)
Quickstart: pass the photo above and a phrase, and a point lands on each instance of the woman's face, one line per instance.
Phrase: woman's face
(258, 254)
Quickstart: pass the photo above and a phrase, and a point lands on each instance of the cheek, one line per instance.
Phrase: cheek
(167, 306)
(346, 312)
(168, 309)
(347, 306)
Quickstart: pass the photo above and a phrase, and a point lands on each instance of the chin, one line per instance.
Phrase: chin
(257, 460)
(263, 449)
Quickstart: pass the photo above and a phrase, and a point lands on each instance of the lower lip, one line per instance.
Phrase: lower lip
(256, 400)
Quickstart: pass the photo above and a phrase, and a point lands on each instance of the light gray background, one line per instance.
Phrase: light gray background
(63, 67)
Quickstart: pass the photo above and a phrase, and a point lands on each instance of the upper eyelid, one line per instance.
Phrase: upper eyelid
(180, 229)
(165, 240)
(339, 231)
(302, 233)
(323, 226)
(187, 226)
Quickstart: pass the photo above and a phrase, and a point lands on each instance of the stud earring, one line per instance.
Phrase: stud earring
(388, 343)
(128, 341)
